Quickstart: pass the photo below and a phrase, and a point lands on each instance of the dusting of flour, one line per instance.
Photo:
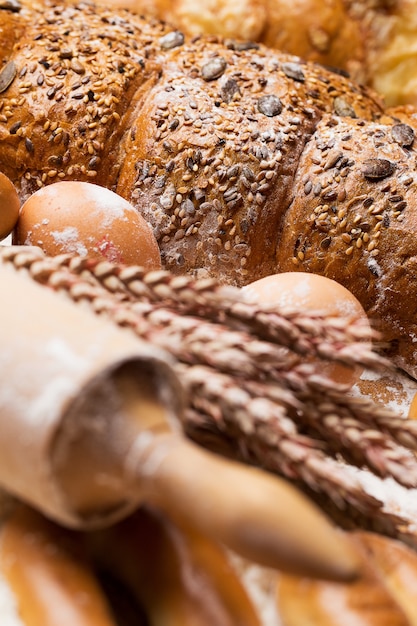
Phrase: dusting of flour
(69, 239)
(395, 391)
(8, 610)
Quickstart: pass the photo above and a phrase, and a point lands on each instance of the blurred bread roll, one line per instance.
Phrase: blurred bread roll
(384, 596)
(220, 17)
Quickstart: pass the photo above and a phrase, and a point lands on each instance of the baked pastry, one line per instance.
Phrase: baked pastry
(135, 573)
(383, 596)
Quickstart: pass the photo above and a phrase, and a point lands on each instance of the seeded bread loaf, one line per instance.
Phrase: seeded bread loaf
(352, 218)
(373, 40)
(244, 160)
(328, 32)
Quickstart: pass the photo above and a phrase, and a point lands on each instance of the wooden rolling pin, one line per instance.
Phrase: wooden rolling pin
(88, 432)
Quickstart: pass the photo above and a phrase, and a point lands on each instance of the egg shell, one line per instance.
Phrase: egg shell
(304, 292)
(87, 220)
(9, 206)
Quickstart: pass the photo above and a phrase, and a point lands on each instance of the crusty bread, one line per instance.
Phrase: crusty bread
(137, 572)
(328, 32)
(227, 18)
(383, 596)
(325, 32)
(245, 161)
(373, 40)
(391, 57)
(353, 219)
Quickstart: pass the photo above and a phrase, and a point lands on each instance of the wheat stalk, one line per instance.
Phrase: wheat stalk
(246, 383)
(315, 334)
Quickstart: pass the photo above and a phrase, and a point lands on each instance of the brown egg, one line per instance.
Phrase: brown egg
(88, 220)
(9, 206)
(310, 292)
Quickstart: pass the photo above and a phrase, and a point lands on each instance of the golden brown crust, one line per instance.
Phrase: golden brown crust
(178, 575)
(245, 19)
(324, 32)
(210, 163)
(328, 32)
(50, 574)
(384, 596)
(373, 40)
(352, 220)
(71, 88)
(78, 94)
(391, 51)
